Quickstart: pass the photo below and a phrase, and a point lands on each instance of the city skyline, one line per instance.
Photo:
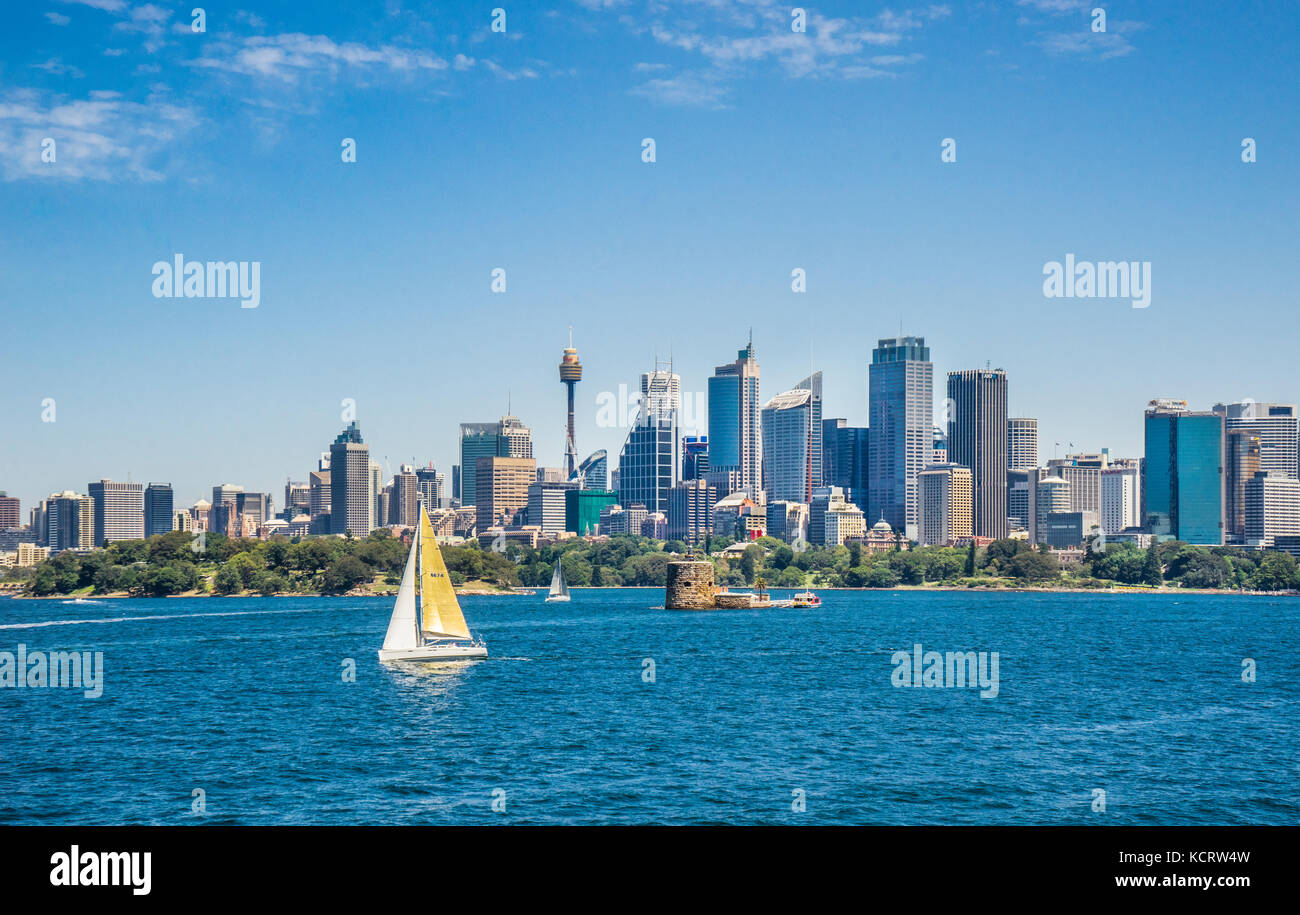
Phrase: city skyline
(523, 151)
(1047, 451)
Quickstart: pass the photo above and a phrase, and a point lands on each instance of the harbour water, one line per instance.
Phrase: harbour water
(606, 710)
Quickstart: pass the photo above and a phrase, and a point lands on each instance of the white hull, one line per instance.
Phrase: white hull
(427, 653)
(557, 599)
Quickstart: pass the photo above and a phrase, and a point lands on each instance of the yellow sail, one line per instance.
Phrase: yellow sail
(440, 611)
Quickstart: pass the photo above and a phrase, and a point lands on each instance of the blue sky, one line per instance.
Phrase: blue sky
(522, 150)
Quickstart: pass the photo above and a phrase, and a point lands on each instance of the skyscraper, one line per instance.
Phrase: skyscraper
(297, 500)
(1022, 443)
(977, 438)
(570, 375)
(69, 522)
(845, 459)
(648, 465)
(1277, 427)
(1272, 507)
(1242, 451)
(119, 511)
(10, 512)
(507, 437)
(792, 442)
(159, 517)
(405, 505)
(501, 489)
(1120, 497)
(593, 473)
(351, 504)
(430, 484)
(943, 504)
(1183, 479)
(901, 410)
(695, 457)
(735, 424)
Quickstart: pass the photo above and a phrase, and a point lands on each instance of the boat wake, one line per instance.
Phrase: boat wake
(82, 602)
(162, 616)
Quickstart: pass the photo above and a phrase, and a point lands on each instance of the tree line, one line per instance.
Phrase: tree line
(181, 563)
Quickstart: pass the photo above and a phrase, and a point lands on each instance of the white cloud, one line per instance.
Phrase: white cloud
(110, 6)
(686, 90)
(57, 18)
(290, 56)
(102, 137)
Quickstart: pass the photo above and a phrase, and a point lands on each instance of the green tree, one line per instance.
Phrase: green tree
(970, 559)
(1151, 571)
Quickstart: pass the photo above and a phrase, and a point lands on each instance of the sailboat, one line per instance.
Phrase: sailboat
(427, 624)
(559, 588)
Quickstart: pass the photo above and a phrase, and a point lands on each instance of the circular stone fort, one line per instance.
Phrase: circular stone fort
(690, 586)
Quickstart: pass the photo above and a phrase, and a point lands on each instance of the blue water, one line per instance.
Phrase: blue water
(1140, 696)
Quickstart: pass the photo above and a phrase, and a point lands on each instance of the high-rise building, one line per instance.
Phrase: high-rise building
(570, 375)
(939, 451)
(1052, 497)
(695, 456)
(69, 522)
(119, 511)
(322, 500)
(378, 501)
(582, 508)
(944, 504)
(648, 464)
(224, 509)
(832, 520)
(845, 461)
(690, 511)
(159, 509)
(735, 422)
(977, 438)
(546, 504)
(1121, 490)
(351, 501)
(1276, 425)
(1083, 473)
(1022, 499)
(1183, 475)
(10, 511)
(1022, 443)
(792, 442)
(297, 500)
(1242, 451)
(901, 414)
(593, 473)
(787, 520)
(507, 437)
(1272, 507)
(404, 508)
(501, 489)
(429, 483)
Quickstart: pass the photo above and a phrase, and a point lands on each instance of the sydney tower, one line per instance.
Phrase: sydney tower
(570, 374)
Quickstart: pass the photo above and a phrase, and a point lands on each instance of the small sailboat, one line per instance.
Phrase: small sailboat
(559, 587)
(427, 623)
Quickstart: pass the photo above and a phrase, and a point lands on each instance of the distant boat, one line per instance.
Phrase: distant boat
(559, 588)
(427, 623)
(806, 599)
(82, 600)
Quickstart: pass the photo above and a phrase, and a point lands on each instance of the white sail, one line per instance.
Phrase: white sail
(403, 630)
(559, 587)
